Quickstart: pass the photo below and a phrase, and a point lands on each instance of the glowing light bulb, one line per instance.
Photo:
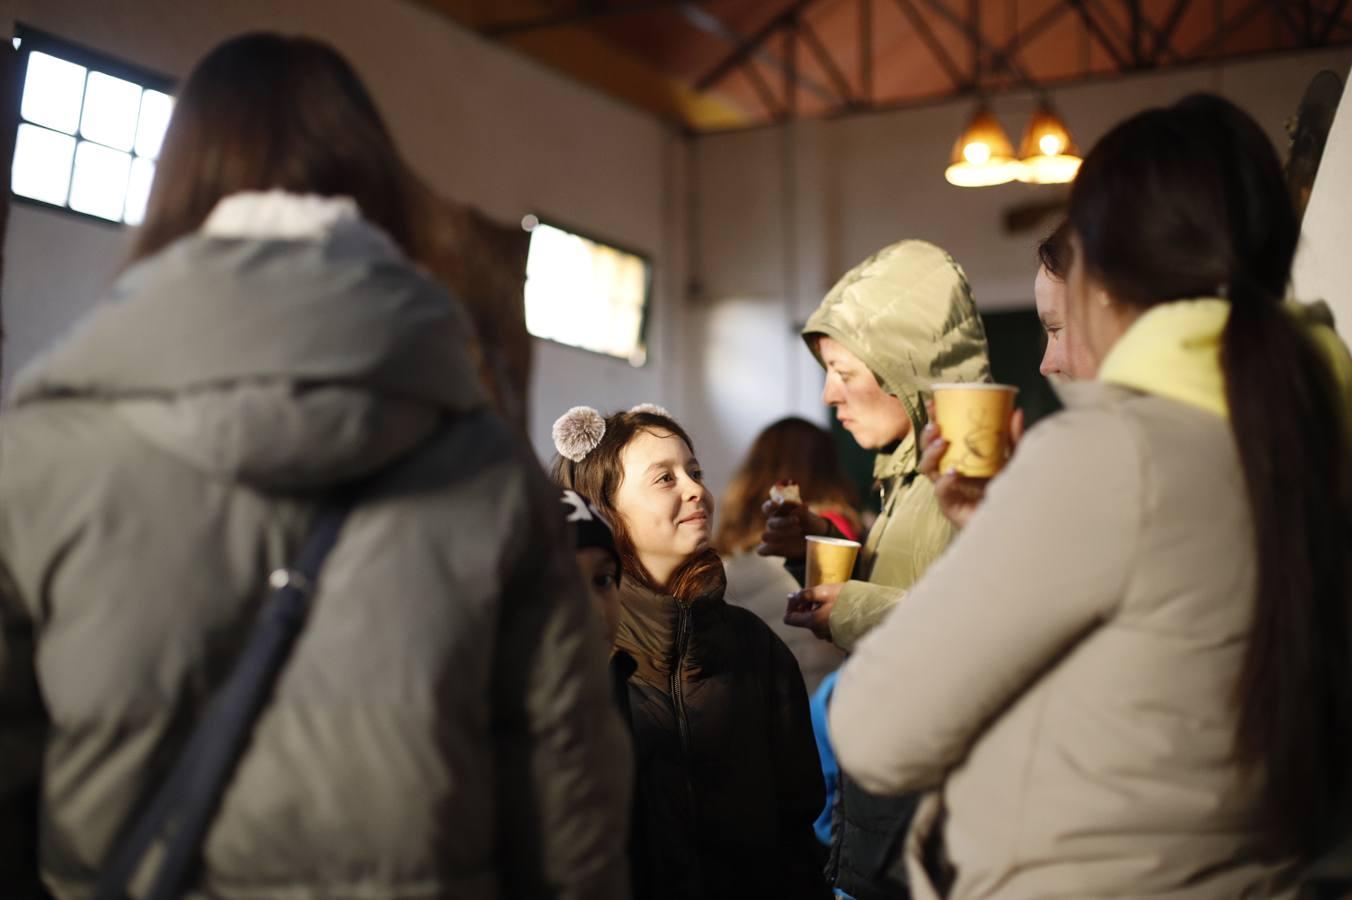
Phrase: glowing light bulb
(1050, 144)
(977, 153)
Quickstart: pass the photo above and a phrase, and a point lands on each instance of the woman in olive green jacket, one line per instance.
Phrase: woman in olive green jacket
(895, 325)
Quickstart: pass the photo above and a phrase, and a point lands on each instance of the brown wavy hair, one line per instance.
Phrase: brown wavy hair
(791, 449)
(598, 476)
(264, 111)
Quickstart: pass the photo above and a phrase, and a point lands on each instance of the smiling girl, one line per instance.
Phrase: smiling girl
(728, 778)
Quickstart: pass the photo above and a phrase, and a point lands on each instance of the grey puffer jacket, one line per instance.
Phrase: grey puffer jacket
(443, 727)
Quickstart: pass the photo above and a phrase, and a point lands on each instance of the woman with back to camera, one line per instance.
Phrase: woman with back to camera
(790, 450)
(443, 726)
(1131, 673)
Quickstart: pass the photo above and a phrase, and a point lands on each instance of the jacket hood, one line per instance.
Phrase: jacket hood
(287, 344)
(907, 313)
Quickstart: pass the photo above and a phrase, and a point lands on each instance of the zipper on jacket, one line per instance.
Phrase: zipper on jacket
(677, 698)
(683, 628)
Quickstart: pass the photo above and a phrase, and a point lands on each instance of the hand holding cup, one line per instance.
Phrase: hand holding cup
(959, 495)
(811, 608)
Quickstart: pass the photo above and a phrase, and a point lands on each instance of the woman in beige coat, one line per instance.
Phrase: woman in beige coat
(1130, 676)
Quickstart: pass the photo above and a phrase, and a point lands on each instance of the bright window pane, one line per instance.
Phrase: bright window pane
(110, 109)
(155, 110)
(586, 294)
(51, 92)
(100, 183)
(42, 164)
(138, 190)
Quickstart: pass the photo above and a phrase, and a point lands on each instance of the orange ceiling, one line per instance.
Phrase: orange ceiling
(735, 63)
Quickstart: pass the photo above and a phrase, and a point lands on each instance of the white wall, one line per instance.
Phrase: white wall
(484, 126)
(1323, 267)
(863, 182)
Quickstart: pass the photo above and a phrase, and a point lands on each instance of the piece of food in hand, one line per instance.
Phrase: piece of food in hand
(785, 492)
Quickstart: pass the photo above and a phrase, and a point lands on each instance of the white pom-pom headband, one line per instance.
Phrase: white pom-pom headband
(579, 431)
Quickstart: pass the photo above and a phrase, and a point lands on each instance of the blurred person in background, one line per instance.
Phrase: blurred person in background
(790, 450)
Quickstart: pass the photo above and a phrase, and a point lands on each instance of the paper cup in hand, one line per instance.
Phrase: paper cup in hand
(974, 419)
(830, 560)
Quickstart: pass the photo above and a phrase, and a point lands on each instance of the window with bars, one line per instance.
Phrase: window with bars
(89, 130)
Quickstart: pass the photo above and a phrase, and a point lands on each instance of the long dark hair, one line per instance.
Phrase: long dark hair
(791, 449)
(597, 477)
(266, 111)
(1187, 202)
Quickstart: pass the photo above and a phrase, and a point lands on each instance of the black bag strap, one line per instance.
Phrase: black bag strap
(185, 803)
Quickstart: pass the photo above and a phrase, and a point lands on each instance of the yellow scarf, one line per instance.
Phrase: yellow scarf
(1174, 350)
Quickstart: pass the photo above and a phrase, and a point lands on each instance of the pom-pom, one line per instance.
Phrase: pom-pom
(651, 409)
(577, 432)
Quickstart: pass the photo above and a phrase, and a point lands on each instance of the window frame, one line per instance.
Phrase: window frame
(31, 39)
(645, 315)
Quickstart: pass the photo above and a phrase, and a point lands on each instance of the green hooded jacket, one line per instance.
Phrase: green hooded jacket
(907, 313)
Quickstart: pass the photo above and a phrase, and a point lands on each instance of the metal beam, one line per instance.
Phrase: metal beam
(936, 49)
(1092, 26)
(745, 47)
(1137, 29)
(866, 52)
(1000, 55)
(1287, 17)
(588, 13)
(767, 96)
(974, 35)
(1226, 28)
(1164, 37)
(1335, 16)
(825, 60)
(1146, 29)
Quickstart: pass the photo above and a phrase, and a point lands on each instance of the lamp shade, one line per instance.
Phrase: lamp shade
(983, 155)
(1047, 151)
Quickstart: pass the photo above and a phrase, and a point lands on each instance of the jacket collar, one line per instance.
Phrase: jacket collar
(900, 461)
(1174, 350)
(651, 625)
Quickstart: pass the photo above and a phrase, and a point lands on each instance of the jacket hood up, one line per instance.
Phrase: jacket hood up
(907, 313)
(296, 353)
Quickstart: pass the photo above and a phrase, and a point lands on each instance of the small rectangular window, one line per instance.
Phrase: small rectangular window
(585, 293)
(90, 129)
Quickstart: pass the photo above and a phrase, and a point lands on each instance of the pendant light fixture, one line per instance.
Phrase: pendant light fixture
(983, 155)
(1047, 153)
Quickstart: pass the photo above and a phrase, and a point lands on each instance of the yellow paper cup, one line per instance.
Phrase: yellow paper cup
(974, 419)
(830, 560)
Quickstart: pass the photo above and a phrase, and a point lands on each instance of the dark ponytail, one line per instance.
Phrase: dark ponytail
(1190, 202)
